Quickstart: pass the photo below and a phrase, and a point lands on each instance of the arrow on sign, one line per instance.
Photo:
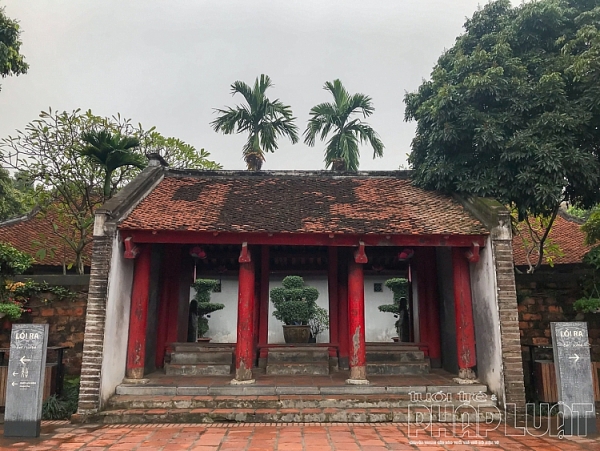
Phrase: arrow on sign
(576, 357)
(15, 373)
(15, 383)
(23, 360)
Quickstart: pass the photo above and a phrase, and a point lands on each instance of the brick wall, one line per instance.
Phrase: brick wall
(66, 319)
(548, 296)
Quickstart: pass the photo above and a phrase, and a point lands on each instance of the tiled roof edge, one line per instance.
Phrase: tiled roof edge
(131, 194)
(492, 214)
(23, 218)
(404, 174)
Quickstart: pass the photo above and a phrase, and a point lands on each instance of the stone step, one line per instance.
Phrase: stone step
(391, 347)
(199, 347)
(208, 357)
(174, 369)
(391, 356)
(398, 368)
(298, 355)
(422, 415)
(120, 402)
(294, 368)
(421, 391)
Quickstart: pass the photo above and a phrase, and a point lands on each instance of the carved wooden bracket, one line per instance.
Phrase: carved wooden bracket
(244, 254)
(359, 255)
(473, 253)
(131, 250)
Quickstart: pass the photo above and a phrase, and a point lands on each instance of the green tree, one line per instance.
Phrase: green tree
(12, 201)
(111, 152)
(342, 151)
(70, 188)
(11, 61)
(512, 110)
(264, 121)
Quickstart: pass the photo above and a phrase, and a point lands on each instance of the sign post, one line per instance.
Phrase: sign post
(25, 381)
(573, 368)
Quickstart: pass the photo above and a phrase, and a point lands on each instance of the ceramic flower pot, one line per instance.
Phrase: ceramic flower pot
(296, 334)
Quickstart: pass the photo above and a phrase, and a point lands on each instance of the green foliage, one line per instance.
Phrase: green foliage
(12, 261)
(61, 408)
(69, 188)
(319, 322)
(512, 110)
(11, 310)
(110, 152)
(295, 304)
(11, 61)
(590, 284)
(264, 121)
(342, 151)
(12, 201)
(203, 289)
(399, 287)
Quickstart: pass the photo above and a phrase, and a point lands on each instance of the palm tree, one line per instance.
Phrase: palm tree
(110, 152)
(342, 151)
(264, 121)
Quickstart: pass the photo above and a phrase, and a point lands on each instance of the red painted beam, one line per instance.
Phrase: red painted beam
(138, 318)
(245, 323)
(302, 239)
(263, 327)
(465, 330)
(332, 287)
(356, 321)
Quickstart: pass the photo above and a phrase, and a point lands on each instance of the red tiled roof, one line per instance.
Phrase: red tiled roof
(22, 233)
(566, 234)
(299, 204)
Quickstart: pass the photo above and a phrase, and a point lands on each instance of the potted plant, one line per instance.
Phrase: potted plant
(318, 323)
(295, 305)
(399, 308)
(204, 307)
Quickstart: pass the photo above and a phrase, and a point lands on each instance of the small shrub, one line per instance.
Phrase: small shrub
(61, 408)
(295, 304)
(204, 287)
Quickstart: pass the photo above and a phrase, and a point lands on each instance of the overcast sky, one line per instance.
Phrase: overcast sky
(170, 63)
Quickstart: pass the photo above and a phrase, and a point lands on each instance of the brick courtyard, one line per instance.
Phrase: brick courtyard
(292, 437)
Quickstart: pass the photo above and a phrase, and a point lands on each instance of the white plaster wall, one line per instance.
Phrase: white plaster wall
(116, 330)
(222, 324)
(487, 322)
(379, 326)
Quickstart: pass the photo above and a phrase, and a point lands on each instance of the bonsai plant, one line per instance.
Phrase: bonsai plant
(399, 308)
(295, 305)
(318, 323)
(204, 307)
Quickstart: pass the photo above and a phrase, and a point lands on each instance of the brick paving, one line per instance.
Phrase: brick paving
(291, 437)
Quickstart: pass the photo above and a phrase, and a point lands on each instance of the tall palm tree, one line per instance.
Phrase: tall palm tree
(342, 152)
(263, 119)
(111, 151)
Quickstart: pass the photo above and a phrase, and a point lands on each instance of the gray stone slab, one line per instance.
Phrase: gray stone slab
(572, 363)
(236, 390)
(146, 390)
(259, 390)
(285, 390)
(353, 390)
(25, 380)
(192, 391)
(406, 390)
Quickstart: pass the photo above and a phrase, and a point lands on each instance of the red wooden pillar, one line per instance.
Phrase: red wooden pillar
(245, 321)
(263, 320)
(356, 319)
(465, 331)
(173, 267)
(332, 286)
(344, 340)
(429, 310)
(138, 318)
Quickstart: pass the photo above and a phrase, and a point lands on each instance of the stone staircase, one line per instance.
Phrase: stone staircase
(151, 404)
(199, 359)
(307, 360)
(398, 359)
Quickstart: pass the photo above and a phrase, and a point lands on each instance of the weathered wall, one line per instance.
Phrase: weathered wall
(487, 322)
(546, 296)
(66, 320)
(118, 305)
